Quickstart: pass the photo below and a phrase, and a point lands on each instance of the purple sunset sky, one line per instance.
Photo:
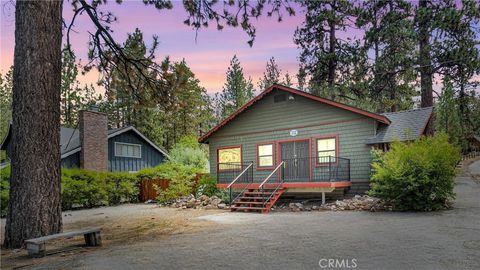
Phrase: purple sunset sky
(209, 57)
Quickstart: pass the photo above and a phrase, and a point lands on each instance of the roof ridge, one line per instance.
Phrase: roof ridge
(411, 110)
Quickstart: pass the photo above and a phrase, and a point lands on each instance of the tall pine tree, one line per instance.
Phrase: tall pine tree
(389, 35)
(237, 90)
(325, 59)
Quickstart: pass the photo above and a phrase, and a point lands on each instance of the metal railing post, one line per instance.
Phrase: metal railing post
(329, 168)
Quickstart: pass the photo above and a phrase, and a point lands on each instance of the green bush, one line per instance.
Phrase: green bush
(122, 187)
(181, 179)
(4, 189)
(82, 188)
(207, 185)
(188, 152)
(417, 175)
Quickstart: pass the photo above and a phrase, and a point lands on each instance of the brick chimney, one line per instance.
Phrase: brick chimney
(93, 139)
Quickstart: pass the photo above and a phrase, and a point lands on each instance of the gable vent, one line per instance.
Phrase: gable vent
(279, 98)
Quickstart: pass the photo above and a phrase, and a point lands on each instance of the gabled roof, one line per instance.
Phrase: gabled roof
(75, 146)
(405, 126)
(378, 117)
(70, 139)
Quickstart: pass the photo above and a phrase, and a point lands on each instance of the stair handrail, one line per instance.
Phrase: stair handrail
(270, 175)
(238, 176)
(266, 200)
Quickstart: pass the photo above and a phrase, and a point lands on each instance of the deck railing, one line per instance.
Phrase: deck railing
(317, 169)
(311, 169)
(227, 172)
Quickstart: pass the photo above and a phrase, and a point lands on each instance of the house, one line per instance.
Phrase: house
(95, 147)
(287, 142)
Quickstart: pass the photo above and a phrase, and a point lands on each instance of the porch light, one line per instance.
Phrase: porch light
(291, 97)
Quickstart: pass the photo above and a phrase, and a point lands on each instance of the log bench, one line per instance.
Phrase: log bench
(36, 246)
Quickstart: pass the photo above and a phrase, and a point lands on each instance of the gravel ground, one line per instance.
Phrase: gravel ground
(439, 240)
(475, 168)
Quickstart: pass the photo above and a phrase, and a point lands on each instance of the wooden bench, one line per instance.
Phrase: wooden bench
(36, 246)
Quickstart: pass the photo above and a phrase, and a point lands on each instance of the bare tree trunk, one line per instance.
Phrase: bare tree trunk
(425, 61)
(35, 209)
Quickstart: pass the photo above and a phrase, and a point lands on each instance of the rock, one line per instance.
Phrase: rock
(221, 205)
(215, 202)
(314, 207)
(340, 203)
(204, 198)
(299, 205)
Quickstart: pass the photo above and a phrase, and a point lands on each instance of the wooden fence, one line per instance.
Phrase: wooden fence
(148, 191)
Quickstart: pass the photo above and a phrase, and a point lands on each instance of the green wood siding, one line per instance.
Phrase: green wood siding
(267, 121)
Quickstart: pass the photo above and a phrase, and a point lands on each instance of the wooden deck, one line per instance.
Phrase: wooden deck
(291, 185)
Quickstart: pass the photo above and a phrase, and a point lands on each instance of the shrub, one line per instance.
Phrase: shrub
(4, 189)
(417, 175)
(207, 185)
(82, 188)
(122, 187)
(181, 179)
(189, 153)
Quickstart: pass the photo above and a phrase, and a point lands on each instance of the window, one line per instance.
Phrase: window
(128, 150)
(265, 155)
(230, 158)
(326, 148)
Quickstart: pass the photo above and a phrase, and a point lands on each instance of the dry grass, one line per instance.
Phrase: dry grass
(116, 230)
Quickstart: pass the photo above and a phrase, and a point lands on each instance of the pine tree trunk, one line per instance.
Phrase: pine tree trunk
(331, 51)
(35, 209)
(424, 58)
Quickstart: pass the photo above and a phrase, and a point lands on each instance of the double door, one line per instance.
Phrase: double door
(297, 161)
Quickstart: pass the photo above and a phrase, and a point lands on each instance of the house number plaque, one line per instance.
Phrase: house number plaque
(293, 132)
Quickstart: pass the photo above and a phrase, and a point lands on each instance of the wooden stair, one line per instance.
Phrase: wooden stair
(252, 200)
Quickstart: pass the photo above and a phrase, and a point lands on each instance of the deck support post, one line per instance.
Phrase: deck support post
(323, 198)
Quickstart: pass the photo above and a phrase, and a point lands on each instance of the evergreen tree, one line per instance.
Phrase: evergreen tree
(448, 43)
(272, 75)
(389, 34)
(287, 81)
(6, 85)
(447, 118)
(72, 97)
(326, 59)
(126, 87)
(237, 90)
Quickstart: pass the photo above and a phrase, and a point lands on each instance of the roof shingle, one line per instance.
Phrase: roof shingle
(404, 126)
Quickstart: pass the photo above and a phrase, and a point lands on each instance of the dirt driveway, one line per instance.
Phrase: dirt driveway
(306, 240)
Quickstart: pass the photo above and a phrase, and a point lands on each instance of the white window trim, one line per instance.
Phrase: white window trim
(126, 156)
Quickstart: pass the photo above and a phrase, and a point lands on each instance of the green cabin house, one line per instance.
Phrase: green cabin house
(287, 142)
